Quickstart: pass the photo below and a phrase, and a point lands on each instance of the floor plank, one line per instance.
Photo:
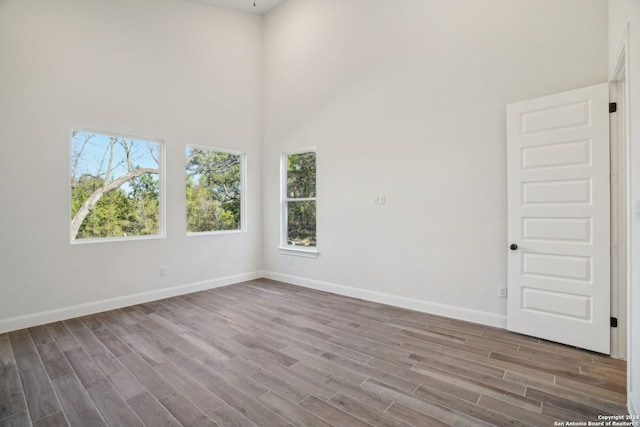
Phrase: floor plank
(365, 413)
(77, 405)
(126, 384)
(189, 387)
(229, 417)
(40, 396)
(11, 398)
(186, 412)
(247, 406)
(145, 374)
(20, 419)
(113, 408)
(54, 361)
(151, 412)
(290, 411)
(331, 414)
(54, 420)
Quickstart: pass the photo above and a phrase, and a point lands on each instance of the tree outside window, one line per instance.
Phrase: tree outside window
(299, 201)
(115, 186)
(214, 190)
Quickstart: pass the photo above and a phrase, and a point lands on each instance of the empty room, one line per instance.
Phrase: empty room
(319, 212)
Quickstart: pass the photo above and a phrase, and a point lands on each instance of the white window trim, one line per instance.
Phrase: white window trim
(284, 248)
(243, 192)
(116, 239)
(298, 251)
(162, 231)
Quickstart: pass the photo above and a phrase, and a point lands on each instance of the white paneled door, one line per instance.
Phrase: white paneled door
(558, 201)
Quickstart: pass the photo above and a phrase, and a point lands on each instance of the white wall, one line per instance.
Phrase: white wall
(621, 14)
(179, 71)
(407, 98)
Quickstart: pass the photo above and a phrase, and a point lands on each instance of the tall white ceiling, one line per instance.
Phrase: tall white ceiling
(261, 6)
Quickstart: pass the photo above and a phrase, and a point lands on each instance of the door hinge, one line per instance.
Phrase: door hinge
(614, 322)
(613, 107)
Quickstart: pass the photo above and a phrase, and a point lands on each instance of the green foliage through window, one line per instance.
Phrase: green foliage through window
(300, 199)
(115, 186)
(214, 187)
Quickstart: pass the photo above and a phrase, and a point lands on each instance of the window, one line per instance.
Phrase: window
(115, 186)
(298, 207)
(214, 190)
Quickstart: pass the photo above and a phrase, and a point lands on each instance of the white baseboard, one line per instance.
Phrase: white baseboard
(475, 316)
(29, 320)
(633, 402)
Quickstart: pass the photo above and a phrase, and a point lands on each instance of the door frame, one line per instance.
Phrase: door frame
(619, 213)
(621, 205)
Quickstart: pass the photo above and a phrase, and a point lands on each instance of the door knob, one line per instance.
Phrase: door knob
(513, 247)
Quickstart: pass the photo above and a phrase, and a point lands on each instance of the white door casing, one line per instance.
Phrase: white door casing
(559, 218)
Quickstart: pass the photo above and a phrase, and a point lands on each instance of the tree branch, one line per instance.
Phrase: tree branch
(78, 154)
(95, 197)
(110, 164)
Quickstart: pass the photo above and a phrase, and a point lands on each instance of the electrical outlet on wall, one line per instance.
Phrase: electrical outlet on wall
(163, 271)
(502, 291)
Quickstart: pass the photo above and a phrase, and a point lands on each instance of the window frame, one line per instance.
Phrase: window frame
(285, 248)
(243, 191)
(162, 232)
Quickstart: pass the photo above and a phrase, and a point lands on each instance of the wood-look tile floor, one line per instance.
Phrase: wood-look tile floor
(270, 354)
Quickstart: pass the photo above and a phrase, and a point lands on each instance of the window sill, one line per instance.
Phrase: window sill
(116, 239)
(299, 251)
(214, 233)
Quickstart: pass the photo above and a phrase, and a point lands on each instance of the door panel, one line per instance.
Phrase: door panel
(558, 201)
(557, 229)
(554, 155)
